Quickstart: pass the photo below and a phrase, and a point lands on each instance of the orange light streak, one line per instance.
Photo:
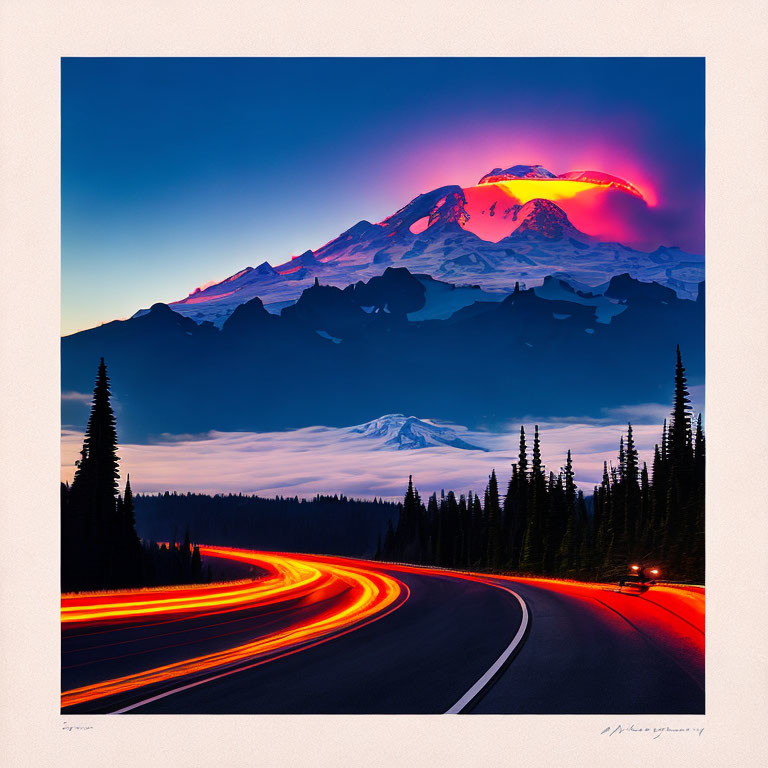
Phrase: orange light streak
(286, 579)
(366, 593)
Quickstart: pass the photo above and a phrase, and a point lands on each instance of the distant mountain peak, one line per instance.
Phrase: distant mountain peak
(400, 432)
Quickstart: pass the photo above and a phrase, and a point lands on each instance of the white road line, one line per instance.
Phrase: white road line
(302, 646)
(497, 665)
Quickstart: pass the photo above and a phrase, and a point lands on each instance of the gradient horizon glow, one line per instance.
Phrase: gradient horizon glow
(177, 172)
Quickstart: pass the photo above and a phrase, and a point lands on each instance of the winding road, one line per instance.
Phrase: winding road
(322, 635)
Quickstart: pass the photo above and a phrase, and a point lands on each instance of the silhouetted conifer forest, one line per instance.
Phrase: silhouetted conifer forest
(542, 524)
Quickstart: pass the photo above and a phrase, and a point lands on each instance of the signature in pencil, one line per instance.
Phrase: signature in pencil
(67, 727)
(653, 731)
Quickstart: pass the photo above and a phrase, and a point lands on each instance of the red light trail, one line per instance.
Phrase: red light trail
(344, 595)
(354, 595)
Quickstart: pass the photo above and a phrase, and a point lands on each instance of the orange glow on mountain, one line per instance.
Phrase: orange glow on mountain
(597, 208)
(523, 190)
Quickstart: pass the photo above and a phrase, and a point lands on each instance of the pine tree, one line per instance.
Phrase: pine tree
(642, 534)
(632, 496)
(435, 530)
(93, 497)
(537, 468)
(516, 506)
(603, 561)
(583, 535)
(658, 503)
(522, 463)
(452, 530)
(622, 459)
(477, 517)
(464, 531)
(631, 460)
(196, 566)
(533, 546)
(493, 515)
(128, 555)
(410, 525)
(472, 530)
(680, 438)
(570, 535)
(570, 484)
(680, 503)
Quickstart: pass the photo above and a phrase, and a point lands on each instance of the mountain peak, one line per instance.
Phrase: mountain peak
(247, 317)
(516, 172)
(542, 218)
(444, 205)
(160, 309)
(395, 430)
(265, 268)
(306, 259)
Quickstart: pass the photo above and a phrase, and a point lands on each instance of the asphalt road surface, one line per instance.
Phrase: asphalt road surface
(445, 641)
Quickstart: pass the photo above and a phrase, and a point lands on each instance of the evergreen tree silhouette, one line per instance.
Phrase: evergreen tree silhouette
(493, 515)
(196, 566)
(464, 532)
(680, 439)
(632, 497)
(477, 516)
(93, 495)
(571, 535)
(516, 504)
(533, 545)
(680, 503)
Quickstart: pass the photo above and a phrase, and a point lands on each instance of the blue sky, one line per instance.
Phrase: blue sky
(176, 172)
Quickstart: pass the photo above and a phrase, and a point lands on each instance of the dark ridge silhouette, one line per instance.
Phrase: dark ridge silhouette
(341, 357)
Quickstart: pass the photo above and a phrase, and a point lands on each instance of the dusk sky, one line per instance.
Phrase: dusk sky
(177, 172)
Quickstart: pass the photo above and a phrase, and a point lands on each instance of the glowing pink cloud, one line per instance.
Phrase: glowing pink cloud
(602, 211)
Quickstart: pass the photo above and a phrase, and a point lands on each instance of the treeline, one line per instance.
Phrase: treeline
(100, 548)
(542, 524)
(325, 524)
(174, 563)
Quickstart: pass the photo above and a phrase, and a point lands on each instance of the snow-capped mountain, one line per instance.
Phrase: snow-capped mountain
(407, 433)
(516, 172)
(489, 235)
(543, 219)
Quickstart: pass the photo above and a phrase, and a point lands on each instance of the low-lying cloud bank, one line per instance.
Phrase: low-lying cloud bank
(326, 460)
